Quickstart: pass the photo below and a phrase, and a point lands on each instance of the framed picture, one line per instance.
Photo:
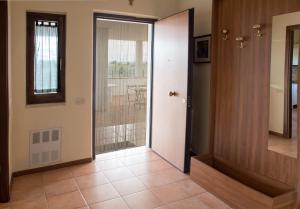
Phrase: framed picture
(202, 49)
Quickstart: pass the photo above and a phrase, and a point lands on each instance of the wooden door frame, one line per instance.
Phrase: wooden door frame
(188, 139)
(4, 104)
(298, 140)
(213, 80)
(287, 125)
(133, 19)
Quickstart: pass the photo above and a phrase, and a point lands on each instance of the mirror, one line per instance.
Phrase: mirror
(284, 84)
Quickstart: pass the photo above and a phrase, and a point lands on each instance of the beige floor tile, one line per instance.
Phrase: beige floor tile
(91, 180)
(155, 180)
(152, 156)
(70, 200)
(140, 169)
(140, 158)
(111, 204)
(142, 200)
(118, 174)
(177, 191)
(85, 169)
(60, 187)
(136, 151)
(23, 183)
(109, 164)
(106, 156)
(29, 195)
(150, 167)
(129, 186)
(159, 165)
(99, 194)
(173, 173)
(190, 187)
(135, 159)
(169, 193)
(211, 201)
(191, 203)
(120, 154)
(56, 175)
(37, 204)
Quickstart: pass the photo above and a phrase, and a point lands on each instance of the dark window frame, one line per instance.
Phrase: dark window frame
(31, 97)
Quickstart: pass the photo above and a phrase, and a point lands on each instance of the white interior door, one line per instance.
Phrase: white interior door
(170, 87)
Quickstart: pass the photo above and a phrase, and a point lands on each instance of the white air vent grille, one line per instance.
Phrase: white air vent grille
(45, 146)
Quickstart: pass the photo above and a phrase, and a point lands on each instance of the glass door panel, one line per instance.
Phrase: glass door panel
(122, 68)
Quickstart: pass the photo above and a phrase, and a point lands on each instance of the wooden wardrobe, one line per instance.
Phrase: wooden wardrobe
(240, 100)
(240, 81)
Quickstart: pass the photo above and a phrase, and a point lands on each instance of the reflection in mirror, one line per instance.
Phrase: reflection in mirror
(284, 84)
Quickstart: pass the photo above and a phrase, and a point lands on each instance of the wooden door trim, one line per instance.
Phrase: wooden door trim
(287, 125)
(4, 104)
(213, 82)
(298, 140)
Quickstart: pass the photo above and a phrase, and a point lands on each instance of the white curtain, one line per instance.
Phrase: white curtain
(46, 58)
(121, 84)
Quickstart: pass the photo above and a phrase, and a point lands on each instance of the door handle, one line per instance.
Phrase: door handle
(173, 93)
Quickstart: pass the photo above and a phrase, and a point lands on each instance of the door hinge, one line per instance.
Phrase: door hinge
(189, 102)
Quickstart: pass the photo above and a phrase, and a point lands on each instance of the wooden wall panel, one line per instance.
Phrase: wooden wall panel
(241, 79)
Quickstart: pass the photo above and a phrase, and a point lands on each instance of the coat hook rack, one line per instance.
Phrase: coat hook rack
(258, 28)
(225, 33)
(241, 41)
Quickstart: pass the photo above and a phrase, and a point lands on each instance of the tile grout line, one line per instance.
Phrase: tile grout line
(121, 196)
(81, 194)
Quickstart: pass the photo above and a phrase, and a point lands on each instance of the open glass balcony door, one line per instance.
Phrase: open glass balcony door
(122, 78)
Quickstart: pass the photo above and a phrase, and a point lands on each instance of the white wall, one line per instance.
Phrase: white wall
(280, 23)
(201, 74)
(75, 119)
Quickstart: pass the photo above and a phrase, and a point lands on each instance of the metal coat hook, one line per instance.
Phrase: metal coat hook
(241, 41)
(225, 33)
(258, 28)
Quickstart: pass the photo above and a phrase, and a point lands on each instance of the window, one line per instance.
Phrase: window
(45, 58)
